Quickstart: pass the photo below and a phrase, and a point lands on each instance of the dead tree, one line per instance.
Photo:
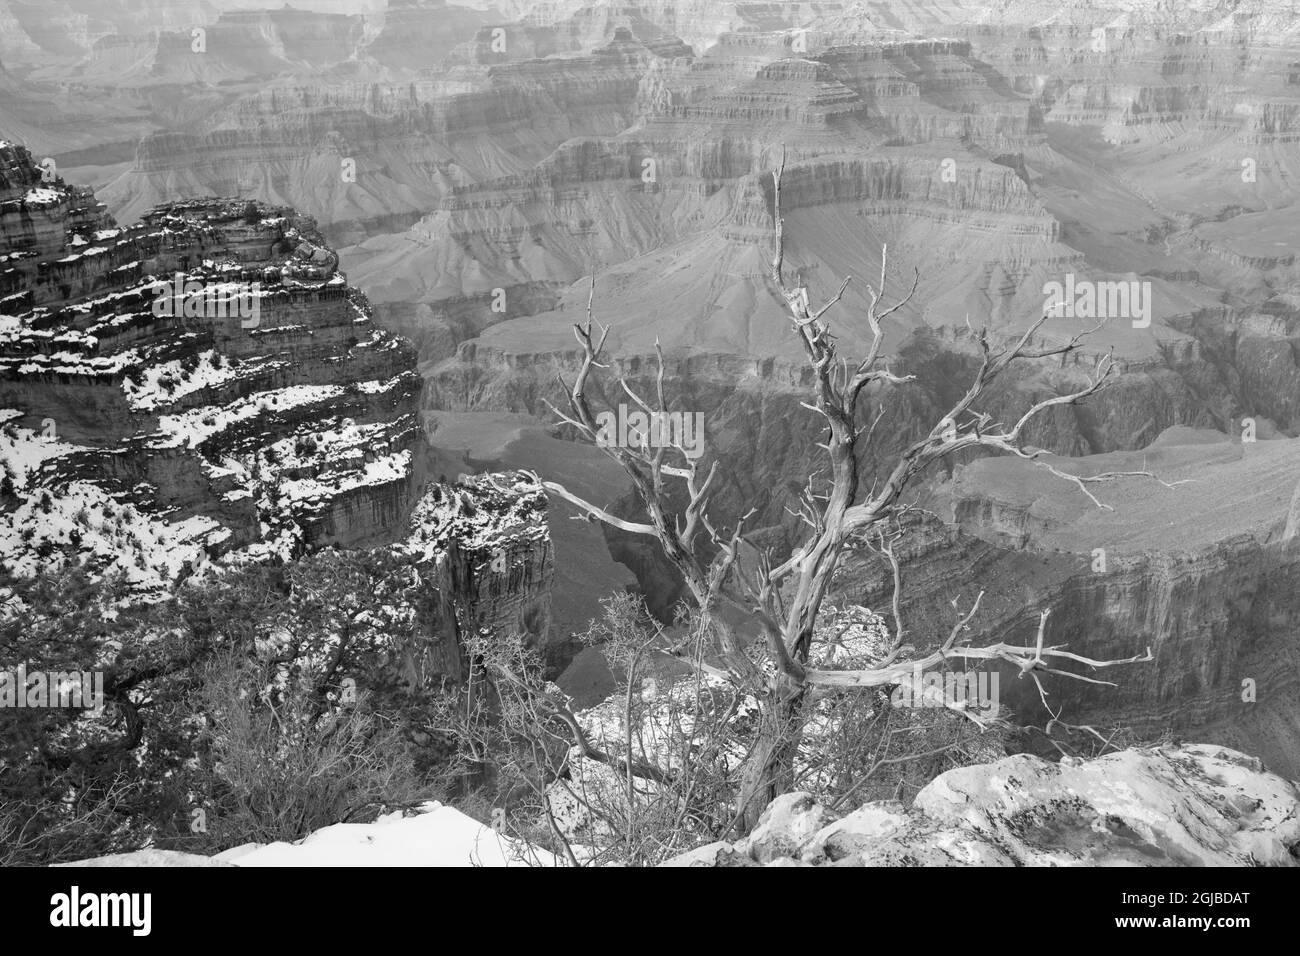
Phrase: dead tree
(785, 598)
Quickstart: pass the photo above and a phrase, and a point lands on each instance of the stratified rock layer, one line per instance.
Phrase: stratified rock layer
(147, 429)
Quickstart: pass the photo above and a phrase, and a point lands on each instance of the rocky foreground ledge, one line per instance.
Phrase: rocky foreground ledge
(1189, 805)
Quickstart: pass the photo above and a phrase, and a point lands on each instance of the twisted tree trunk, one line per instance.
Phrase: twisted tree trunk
(768, 770)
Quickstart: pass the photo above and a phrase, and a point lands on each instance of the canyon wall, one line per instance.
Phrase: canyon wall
(991, 148)
(209, 365)
(154, 427)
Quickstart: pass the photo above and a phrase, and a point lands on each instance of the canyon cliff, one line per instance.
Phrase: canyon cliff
(472, 187)
(205, 387)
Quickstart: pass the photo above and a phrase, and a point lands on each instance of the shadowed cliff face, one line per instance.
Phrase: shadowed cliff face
(1213, 619)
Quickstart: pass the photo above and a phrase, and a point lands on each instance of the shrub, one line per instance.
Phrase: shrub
(246, 717)
(275, 769)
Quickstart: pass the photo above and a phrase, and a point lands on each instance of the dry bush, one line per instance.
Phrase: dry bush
(275, 770)
(83, 822)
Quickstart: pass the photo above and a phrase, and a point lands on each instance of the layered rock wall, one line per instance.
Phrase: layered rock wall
(208, 366)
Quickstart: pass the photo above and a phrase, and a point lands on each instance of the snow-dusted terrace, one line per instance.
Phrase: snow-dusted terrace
(310, 495)
(191, 428)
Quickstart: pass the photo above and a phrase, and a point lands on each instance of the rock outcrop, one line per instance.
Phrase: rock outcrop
(487, 560)
(1191, 805)
(205, 385)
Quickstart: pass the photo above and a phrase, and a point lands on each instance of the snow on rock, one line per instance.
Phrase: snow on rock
(437, 836)
(1189, 805)
(162, 383)
(151, 858)
(677, 718)
(192, 428)
(316, 492)
(23, 450)
(481, 512)
(190, 414)
(47, 530)
(41, 196)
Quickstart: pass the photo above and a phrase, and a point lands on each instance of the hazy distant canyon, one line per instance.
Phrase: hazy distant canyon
(475, 164)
